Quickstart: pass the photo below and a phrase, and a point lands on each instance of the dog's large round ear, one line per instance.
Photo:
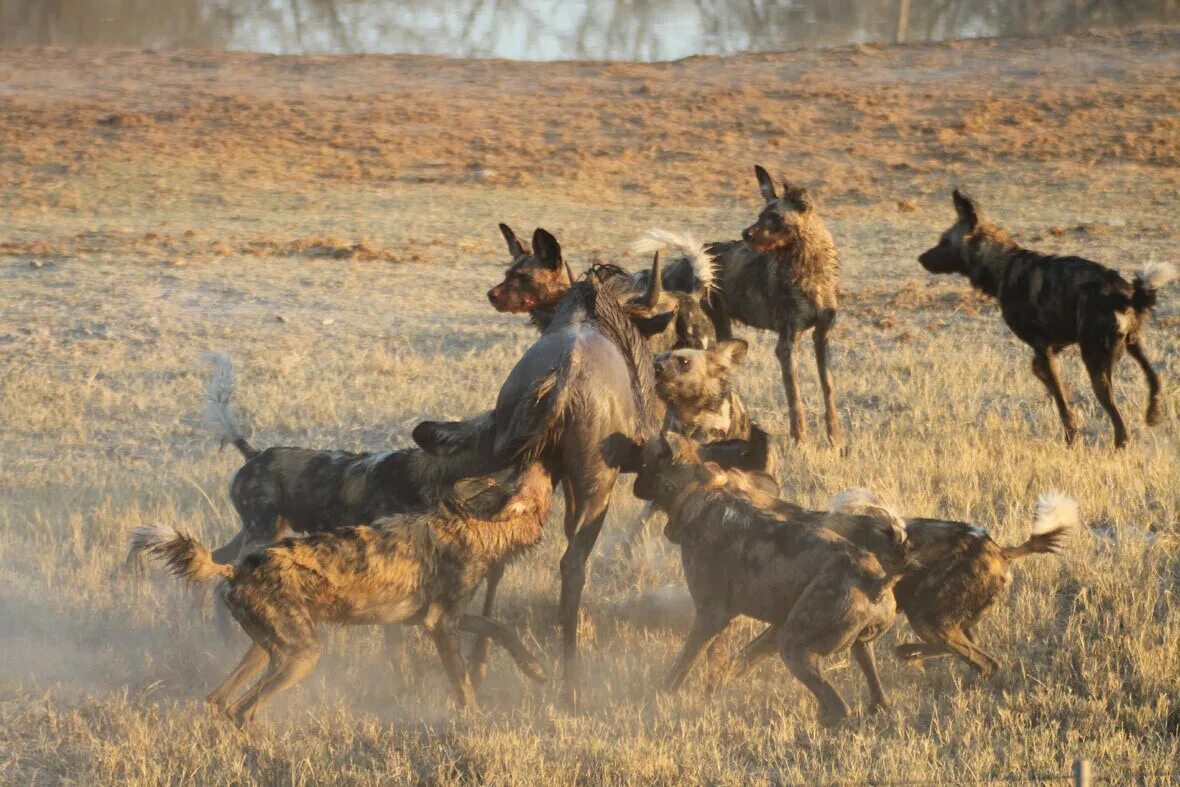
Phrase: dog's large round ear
(765, 184)
(622, 452)
(547, 249)
(967, 208)
(515, 247)
(798, 196)
(729, 353)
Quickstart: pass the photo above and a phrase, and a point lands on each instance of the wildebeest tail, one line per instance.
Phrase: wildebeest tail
(538, 419)
(1055, 521)
(1148, 281)
(698, 257)
(185, 557)
(218, 414)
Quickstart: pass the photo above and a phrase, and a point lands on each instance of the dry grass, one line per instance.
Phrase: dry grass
(100, 676)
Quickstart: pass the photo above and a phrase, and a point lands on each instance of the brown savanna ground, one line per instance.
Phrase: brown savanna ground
(331, 223)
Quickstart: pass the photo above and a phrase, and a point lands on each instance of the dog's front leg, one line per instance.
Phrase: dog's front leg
(788, 344)
(708, 624)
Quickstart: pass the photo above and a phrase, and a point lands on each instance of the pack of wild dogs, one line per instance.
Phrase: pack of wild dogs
(633, 373)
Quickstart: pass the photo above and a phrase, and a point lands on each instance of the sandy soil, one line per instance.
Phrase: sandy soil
(331, 222)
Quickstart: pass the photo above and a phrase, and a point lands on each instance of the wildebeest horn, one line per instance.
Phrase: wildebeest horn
(655, 286)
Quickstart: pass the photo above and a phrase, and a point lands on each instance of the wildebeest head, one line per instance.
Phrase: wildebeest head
(784, 218)
(536, 279)
(651, 310)
(950, 254)
(686, 377)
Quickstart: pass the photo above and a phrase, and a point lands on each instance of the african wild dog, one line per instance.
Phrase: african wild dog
(419, 569)
(703, 405)
(309, 490)
(954, 574)
(825, 594)
(538, 278)
(782, 276)
(1051, 302)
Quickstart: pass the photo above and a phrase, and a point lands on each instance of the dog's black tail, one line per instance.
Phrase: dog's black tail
(218, 415)
(1148, 281)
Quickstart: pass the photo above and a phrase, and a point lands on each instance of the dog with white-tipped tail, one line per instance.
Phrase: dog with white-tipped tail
(953, 574)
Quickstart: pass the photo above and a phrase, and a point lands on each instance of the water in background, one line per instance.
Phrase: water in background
(538, 30)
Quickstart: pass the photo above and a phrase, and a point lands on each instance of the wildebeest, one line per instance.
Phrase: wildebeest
(586, 383)
(1051, 302)
(782, 276)
(821, 593)
(955, 572)
(538, 278)
(418, 568)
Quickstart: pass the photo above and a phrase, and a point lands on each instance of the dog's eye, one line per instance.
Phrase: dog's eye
(683, 362)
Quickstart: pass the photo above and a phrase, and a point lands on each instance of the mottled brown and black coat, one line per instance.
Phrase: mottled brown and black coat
(308, 490)
(420, 569)
(824, 594)
(782, 276)
(953, 574)
(1052, 302)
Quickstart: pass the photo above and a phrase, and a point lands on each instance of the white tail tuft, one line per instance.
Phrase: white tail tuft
(218, 415)
(1155, 275)
(1056, 513)
(682, 243)
(852, 499)
(149, 536)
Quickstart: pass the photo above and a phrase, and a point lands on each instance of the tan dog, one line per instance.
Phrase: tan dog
(411, 568)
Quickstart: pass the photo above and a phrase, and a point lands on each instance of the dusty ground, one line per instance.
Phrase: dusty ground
(330, 222)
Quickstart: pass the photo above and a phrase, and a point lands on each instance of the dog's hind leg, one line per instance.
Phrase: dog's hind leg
(488, 629)
(1047, 370)
(1100, 360)
(863, 653)
(477, 664)
(786, 350)
(294, 667)
(822, 359)
(255, 659)
(1154, 411)
(804, 665)
(756, 650)
(707, 625)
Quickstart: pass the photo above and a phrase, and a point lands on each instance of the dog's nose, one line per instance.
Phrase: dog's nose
(494, 295)
(746, 234)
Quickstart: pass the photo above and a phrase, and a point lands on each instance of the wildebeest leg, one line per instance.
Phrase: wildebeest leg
(822, 358)
(1100, 359)
(255, 659)
(863, 653)
(707, 625)
(1046, 369)
(788, 343)
(1154, 412)
(488, 629)
(477, 664)
(581, 529)
(446, 641)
